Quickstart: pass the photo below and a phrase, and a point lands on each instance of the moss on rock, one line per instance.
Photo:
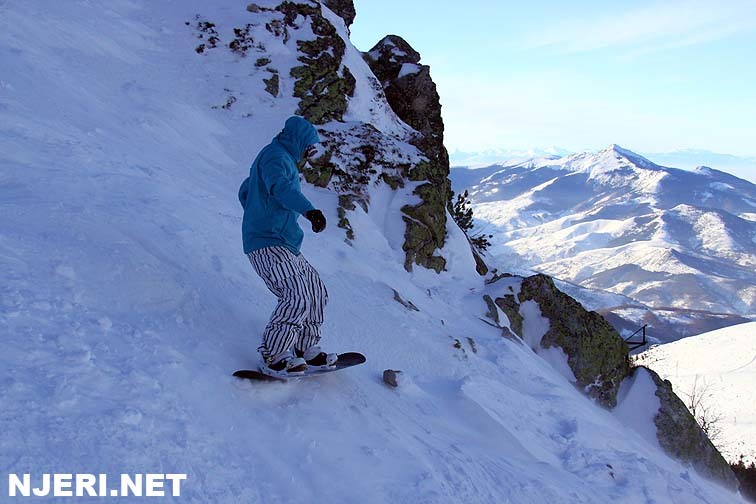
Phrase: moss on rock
(272, 85)
(511, 308)
(344, 223)
(426, 230)
(595, 351)
(414, 98)
(681, 437)
(322, 84)
(393, 181)
(492, 312)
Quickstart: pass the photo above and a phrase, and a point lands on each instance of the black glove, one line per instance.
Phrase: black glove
(317, 219)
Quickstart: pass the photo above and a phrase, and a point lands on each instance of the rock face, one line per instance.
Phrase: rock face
(596, 353)
(355, 158)
(357, 154)
(344, 8)
(681, 437)
(412, 95)
(598, 358)
(322, 83)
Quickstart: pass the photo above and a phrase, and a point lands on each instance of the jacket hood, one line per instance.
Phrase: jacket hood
(297, 134)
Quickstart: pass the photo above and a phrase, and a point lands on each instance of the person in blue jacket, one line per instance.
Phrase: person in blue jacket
(273, 201)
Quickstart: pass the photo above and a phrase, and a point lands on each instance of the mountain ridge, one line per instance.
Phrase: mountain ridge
(687, 159)
(614, 220)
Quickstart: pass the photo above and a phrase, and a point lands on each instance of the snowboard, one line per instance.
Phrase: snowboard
(346, 360)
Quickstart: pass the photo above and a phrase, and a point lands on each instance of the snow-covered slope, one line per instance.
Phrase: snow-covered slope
(720, 368)
(126, 302)
(616, 221)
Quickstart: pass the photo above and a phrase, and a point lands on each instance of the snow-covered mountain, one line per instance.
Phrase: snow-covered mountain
(502, 157)
(613, 220)
(688, 159)
(720, 368)
(126, 302)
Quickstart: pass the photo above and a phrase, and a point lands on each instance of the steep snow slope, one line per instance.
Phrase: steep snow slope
(126, 303)
(720, 366)
(616, 221)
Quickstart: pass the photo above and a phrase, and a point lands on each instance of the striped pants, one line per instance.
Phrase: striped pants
(296, 321)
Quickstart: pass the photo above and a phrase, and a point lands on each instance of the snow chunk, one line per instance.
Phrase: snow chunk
(637, 405)
(534, 325)
(408, 69)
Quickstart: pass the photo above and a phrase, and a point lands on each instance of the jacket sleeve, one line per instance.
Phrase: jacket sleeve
(281, 182)
(243, 192)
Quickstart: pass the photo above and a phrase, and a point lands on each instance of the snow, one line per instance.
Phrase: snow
(721, 186)
(126, 302)
(722, 365)
(408, 69)
(559, 361)
(535, 324)
(637, 405)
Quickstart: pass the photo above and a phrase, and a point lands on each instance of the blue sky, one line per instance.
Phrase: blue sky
(652, 76)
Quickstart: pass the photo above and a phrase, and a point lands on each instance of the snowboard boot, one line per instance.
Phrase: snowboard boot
(283, 364)
(317, 358)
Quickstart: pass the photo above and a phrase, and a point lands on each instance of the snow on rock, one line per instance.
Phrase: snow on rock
(637, 405)
(408, 69)
(534, 326)
(720, 366)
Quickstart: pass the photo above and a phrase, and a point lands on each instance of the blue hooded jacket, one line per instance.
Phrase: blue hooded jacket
(271, 195)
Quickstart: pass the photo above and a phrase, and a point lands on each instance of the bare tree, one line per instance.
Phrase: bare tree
(699, 405)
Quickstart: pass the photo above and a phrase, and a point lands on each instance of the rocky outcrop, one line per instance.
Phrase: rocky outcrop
(322, 82)
(596, 353)
(412, 95)
(681, 437)
(355, 158)
(598, 358)
(323, 86)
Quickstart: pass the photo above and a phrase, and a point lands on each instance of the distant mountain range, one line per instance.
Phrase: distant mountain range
(503, 157)
(743, 167)
(680, 242)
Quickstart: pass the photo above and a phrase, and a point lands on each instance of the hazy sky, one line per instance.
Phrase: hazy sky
(652, 76)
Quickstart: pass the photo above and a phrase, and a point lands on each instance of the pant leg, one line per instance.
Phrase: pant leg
(318, 298)
(284, 276)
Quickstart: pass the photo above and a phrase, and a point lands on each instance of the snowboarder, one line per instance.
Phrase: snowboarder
(272, 202)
